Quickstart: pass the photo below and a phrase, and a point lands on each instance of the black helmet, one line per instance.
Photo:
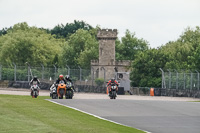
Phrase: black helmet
(67, 77)
(35, 77)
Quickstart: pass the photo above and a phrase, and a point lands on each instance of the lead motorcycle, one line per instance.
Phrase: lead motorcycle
(61, 89)
(113, 90)
(35, 91)
(69, 90)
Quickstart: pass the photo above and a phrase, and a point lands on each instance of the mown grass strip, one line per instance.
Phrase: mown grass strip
(22, 114)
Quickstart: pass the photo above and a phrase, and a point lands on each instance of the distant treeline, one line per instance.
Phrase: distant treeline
(76, 44)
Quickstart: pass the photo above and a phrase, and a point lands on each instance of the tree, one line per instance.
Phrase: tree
(145, 68)
(129, 47)
(4, 31)
(99, 81)
(28, 44)
(81, 49)
(63, 31)
(184, 52)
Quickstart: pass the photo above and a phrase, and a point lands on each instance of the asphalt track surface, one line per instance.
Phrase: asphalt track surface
(152, 114)
(155, 116)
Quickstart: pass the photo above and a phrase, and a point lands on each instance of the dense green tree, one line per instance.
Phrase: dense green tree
(129, 46)
(79, 45)
(182, 54)
(4, 31)
(81, 49)
(145, 68)
(28, 44)
(63, 31)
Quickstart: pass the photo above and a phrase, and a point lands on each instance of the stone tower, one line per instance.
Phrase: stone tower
(107, 46)
(106, 66)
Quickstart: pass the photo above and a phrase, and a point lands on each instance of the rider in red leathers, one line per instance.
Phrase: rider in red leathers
(112, 81)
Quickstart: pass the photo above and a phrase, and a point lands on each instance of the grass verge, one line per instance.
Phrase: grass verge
(22, 114)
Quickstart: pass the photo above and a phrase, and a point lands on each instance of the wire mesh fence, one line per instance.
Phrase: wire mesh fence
(20, 76)
(25, 73)
(183, 80)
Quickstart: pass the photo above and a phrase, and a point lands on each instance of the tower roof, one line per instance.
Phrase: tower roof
(107, 34)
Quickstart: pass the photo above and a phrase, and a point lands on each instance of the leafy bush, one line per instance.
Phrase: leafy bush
(7, 74)
(99, 81)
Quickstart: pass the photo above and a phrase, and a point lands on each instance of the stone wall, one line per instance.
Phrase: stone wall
(106, 66)
(107, 34)
(123, 63)
(94, 62)
(4, 83)
(107, 46)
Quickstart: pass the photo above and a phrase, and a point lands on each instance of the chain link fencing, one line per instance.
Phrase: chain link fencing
(181, 83)
(18, 76)
(26, 73)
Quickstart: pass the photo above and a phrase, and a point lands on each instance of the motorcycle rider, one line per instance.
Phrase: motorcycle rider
(34, 81)
(67, 78)
(52, 86)
(112, 81)
(60, 79)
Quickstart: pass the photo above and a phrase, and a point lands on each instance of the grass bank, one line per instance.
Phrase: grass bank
(23, 114)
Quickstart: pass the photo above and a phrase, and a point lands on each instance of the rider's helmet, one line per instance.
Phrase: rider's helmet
(61, 77)
(35, 78)
(112, 80)
(67, 77)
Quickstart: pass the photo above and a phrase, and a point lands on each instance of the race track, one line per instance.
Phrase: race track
(154, 116)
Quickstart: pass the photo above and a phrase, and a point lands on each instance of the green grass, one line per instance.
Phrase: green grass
(23, 114)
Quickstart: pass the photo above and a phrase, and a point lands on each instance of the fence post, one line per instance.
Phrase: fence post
(28, 71)
(55, 71)
(163, 78)
(92, 76)
(0, 71)
(169, 78)
(184, 81)
(176, 79)
(104, 75)
(80, 72)
(15, 69)
(197, 79)
(68, 69)
(191, 80)
(42, 71)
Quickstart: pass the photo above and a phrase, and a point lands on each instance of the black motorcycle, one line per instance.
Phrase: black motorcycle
(113, 92)
(69, 90)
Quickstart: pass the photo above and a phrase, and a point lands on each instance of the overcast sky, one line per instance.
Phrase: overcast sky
(157, 21)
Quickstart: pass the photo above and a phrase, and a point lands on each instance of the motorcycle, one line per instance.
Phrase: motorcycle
(53, 92)
(35, 91)
(61, 90)
(69, 90)
(113, 92)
